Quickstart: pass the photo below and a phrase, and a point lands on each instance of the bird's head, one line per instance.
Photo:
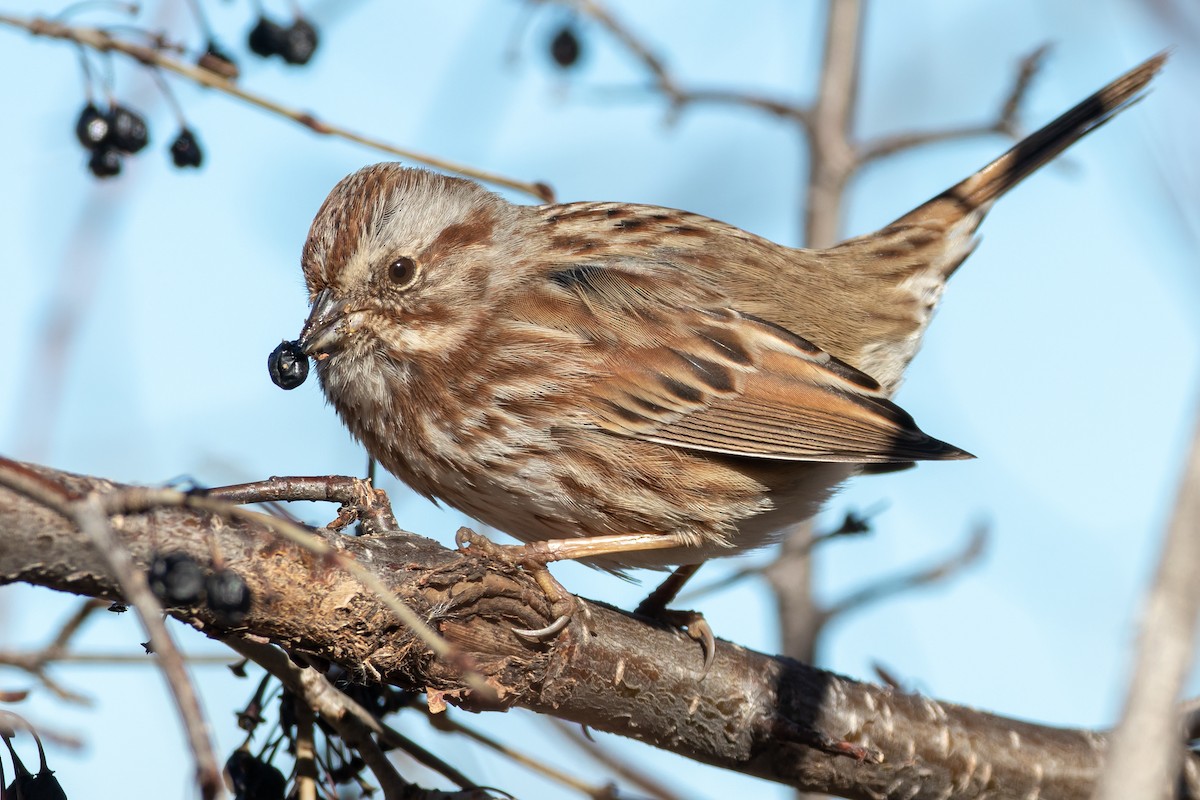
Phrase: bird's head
(398, 264)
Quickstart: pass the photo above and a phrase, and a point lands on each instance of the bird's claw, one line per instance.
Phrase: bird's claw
(546, 633)
(694, 625)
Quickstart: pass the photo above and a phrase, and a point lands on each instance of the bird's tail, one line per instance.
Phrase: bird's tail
(981, 189)
(920, 250)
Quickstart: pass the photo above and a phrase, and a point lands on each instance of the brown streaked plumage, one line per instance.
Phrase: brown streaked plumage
(605, 369)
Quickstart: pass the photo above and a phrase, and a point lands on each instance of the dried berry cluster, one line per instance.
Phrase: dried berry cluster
(179, 581)
(120, 131)
(252, 775)
(294, 43)
(254, 778)
(110, 135)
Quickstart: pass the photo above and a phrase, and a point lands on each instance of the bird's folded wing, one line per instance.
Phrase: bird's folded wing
(726, 382)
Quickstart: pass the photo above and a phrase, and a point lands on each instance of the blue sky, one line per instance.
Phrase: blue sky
(1065, 354)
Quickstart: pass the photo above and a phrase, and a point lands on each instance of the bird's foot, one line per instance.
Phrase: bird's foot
(690, 622)
(562, 603)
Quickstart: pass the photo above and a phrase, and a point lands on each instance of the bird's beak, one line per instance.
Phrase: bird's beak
(324, 325)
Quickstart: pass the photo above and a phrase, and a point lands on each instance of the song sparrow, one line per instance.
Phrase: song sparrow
(632, 385)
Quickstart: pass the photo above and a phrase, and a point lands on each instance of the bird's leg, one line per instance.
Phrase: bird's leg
(547, 551)
(691, 622)
(665, 593)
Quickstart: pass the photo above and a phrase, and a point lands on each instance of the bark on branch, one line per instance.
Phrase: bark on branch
(766, 716)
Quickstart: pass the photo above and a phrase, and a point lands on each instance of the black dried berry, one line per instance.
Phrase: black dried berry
(129, 131)
(185, 150)
(42, 786)
(214, 59)
(288, 365)
(26, 785)
(267, 38)
(236, 767)
(287, 709)
(92, 127)
(565, 48)
(253, 778)
(300, 42)
(176, 579)
(228, 596)
(105, 162)
(348, 771)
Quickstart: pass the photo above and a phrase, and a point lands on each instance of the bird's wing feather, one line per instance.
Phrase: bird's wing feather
(717, 380)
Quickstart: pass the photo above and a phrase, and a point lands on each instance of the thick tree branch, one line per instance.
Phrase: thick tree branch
(753, 713)
(86, 511)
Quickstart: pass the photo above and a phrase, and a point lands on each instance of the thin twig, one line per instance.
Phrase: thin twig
(357, 737)
(72, 625)
(393, 738)
(666, 84)
(443, 721)
(831, 154)
(853, 524)
(897, 584)
(357, 496)
(306, 751)
(92, 519)
(354, 724)
(275, 658)
(323, 697)
(35, 662)
(1007, 122)
(102, 41)
(35, 665)
(32, 664)
(66, 741)
(22, 660)
(618, 766)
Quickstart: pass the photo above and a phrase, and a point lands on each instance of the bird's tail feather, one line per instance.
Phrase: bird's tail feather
(982, 188)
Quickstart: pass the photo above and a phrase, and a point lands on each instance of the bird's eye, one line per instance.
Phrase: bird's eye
(402, 272)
